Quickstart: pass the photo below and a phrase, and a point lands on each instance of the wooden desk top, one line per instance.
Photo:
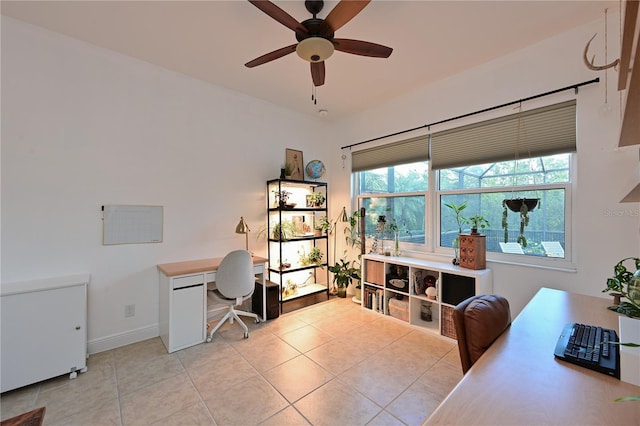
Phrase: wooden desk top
(195, 266)
(519, 382)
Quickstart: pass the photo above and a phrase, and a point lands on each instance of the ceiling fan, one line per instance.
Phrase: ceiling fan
(315, 36)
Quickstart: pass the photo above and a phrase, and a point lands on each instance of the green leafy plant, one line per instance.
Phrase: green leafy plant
(627, 285)
(313, 258)
(457, 212)
(324, 224)
(315, 199)
(524, 222)
(344, 272)
(283, 231)
(478, 221)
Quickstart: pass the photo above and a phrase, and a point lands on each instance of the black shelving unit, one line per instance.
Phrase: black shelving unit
(292, 218)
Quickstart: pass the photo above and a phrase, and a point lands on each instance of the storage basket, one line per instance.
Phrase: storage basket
(399, 309)
(448, 328)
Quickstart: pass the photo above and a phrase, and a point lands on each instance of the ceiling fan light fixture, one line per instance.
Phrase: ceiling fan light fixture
(315, 49)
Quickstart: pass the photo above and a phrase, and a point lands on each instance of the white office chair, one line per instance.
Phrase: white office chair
(235, 283)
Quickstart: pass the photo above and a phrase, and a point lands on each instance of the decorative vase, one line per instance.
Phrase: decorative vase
(425, 312)
(342, 292)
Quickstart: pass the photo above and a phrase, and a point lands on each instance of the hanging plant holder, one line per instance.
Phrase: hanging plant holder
(515, 204)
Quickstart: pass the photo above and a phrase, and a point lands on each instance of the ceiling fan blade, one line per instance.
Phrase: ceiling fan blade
(279, 15)
(341, 14)
(363, 48)
(271, 56)
(317, 73)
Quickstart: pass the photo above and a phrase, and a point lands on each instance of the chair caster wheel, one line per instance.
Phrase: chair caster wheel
(246, 335)
(209, 339)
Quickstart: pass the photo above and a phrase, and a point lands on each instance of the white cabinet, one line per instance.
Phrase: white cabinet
(44, 330)
(396, 286)
(183, 305)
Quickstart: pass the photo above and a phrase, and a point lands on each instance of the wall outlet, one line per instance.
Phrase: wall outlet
(129, 311)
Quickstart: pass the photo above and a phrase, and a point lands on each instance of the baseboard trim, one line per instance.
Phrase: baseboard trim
(122, 339)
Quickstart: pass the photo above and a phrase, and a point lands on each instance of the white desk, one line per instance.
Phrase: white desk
(183, 299)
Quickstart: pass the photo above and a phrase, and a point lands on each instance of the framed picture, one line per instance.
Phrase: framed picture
(294, 158)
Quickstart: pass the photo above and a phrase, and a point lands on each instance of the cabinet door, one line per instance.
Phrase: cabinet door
(187, 324)
(43, 335)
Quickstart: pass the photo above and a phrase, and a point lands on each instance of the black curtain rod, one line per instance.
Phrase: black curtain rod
(573, 86)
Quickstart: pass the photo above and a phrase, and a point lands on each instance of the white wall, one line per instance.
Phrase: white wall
(84, 126)
(604, 230)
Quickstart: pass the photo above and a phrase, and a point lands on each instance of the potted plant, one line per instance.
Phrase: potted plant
(282, 197)
(626, 284)
(283, 231)
(323, 225)
(478, 222)
(313, 258)
(515, 204)
(344, 272)
(460, 220)
(524, 219)
(315, 199)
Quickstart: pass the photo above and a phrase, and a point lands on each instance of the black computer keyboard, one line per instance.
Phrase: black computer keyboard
(590, 346)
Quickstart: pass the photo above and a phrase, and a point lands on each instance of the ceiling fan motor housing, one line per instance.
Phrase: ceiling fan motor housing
(313, 47)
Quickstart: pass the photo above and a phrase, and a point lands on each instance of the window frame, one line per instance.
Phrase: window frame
(432, 219)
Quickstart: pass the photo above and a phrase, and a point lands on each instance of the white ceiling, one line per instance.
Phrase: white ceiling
(212, 40)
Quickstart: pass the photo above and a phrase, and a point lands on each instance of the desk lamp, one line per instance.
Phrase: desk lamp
(243, 228)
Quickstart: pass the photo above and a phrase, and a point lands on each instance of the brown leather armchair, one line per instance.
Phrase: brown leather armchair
(479, 320)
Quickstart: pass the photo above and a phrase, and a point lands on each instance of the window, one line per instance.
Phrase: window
(484, 187)
(400, 194)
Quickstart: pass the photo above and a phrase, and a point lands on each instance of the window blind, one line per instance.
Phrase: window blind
(542, 131)
(393, 154)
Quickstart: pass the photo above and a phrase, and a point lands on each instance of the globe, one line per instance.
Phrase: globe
(315, 169)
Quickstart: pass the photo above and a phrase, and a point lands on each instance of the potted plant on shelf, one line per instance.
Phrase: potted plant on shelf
(315, 199)
(283, 231)
(478, 222)
(344, 272)
(323, 226)
(625, 284)
(282, 197)
(313, 258)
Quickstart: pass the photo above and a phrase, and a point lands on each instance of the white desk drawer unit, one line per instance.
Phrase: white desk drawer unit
(44, 330)
(183, 302)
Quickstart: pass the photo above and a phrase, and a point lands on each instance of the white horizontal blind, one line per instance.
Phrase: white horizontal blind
(543, 131)
(393, 154)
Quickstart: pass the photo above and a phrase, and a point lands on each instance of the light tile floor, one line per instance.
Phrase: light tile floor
(332, 363)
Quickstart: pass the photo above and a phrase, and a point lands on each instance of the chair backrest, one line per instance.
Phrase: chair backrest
(553, 248)
(513, 248)
(479, 321)
(234, 277)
